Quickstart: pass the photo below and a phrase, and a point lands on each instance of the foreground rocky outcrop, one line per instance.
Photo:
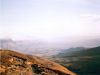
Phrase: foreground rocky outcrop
(14, 63)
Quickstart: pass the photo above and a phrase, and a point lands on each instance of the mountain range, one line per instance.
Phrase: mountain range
(43, 48)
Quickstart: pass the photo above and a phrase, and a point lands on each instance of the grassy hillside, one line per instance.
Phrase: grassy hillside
(83, 62)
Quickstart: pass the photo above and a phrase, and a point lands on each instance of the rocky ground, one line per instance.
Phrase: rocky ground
(14, 63)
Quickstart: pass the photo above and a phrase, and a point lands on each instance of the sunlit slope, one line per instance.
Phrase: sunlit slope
(14, 63)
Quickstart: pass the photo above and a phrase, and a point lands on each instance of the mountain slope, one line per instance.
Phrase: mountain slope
(83, 62)
(14, 63)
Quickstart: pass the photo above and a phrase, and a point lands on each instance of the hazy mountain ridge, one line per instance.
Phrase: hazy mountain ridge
(42, 48)
(28, 47)
(68, 52)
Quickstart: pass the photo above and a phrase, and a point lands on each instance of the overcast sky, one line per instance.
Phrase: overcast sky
(49, 19)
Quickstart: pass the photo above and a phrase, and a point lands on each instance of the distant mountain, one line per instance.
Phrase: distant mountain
(83, 62)
(80, 51)
(42, 48)
(70, 51)
(14, 63)
(7, 43)
(39, 48)
(13, 45)
(89, 42)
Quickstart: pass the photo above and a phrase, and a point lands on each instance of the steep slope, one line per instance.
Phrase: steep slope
(83, 62)
(14, 63)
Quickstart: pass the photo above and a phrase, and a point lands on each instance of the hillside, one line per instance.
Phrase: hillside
(83, 62)
(70, 51)
(14, 63)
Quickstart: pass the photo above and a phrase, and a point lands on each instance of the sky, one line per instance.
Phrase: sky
(49, 20)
